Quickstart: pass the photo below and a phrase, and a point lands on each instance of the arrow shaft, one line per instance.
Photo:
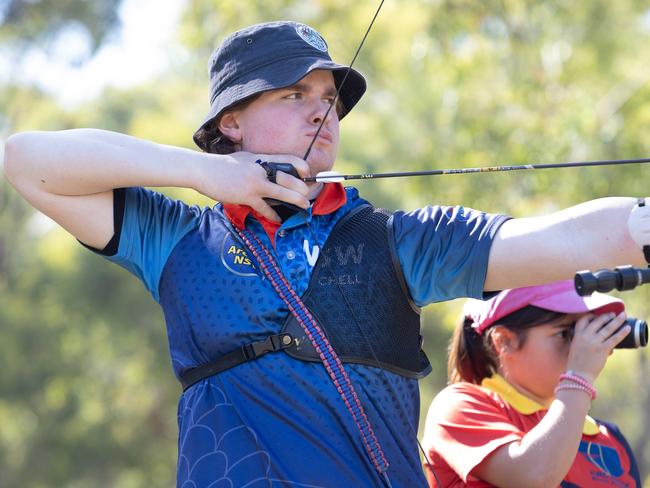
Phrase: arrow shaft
(483, 169)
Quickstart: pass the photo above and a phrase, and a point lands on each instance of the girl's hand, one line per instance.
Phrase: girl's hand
(594, 338)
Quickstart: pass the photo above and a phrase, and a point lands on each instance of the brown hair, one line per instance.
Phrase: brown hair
(214, 141)
(472, 357)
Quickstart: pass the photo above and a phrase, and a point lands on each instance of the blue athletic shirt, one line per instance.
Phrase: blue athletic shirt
(277, 421)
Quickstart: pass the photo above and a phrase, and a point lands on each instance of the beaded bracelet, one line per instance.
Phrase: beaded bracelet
(574, 378)
(574, 386)
(572, 374)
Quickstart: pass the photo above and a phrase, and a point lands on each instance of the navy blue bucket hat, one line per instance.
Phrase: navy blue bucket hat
(266, 57)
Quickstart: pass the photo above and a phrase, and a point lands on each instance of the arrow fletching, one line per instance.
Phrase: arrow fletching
(327, 177)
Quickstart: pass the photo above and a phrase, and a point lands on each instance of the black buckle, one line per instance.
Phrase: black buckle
(272, 343)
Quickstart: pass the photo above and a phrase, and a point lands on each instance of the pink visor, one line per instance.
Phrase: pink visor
(556, 297)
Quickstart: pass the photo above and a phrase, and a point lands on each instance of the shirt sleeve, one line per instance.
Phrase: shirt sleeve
(464, 426)
(152, 225)
(444, 251)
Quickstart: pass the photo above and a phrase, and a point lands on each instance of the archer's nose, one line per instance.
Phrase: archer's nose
(321, 108)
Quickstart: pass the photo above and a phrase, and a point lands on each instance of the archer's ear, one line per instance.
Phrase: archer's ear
(504, 340)
(229, 126)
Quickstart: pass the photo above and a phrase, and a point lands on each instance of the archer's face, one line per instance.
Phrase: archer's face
(284, 121)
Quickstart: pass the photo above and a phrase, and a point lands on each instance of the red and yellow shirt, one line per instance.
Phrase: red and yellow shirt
(467, 422)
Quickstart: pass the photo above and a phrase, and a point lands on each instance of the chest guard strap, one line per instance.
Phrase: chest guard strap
(246, 353)
(359, 261)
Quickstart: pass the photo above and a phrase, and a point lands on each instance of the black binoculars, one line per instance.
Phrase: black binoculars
(621, 278)
(638, 336)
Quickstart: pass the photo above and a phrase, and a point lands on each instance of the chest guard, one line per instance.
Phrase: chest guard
(358, 273)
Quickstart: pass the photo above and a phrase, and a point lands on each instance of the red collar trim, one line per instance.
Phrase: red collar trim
(330, 199)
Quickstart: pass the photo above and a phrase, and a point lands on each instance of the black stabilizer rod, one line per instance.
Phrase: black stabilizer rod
(621, 278)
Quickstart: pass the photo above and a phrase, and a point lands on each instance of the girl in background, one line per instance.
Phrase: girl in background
(521, 369)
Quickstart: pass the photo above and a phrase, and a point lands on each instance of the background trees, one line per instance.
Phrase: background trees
(87, 397)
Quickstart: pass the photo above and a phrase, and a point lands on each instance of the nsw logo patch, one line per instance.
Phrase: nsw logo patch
(311, 37)
(235, 258)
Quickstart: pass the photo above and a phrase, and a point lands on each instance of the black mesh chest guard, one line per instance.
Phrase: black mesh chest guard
(360, 262)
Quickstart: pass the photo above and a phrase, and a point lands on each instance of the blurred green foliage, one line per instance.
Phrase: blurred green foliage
(87, 397)
(26, 23)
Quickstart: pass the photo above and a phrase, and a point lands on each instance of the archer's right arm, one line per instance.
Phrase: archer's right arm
(70, 176)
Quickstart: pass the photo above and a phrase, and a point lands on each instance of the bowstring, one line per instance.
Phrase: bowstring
(349, 306)
(338, 90)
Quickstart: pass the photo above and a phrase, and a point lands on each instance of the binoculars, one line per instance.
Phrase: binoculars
(638, 336)
(620, 278)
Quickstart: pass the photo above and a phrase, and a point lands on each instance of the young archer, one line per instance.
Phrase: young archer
(280, 418)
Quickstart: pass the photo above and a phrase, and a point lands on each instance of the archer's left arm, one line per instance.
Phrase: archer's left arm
(592, 235)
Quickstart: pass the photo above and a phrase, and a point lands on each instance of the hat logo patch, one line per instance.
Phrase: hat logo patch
(311, 37)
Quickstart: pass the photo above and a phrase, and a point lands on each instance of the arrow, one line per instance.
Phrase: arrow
(336, 177)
